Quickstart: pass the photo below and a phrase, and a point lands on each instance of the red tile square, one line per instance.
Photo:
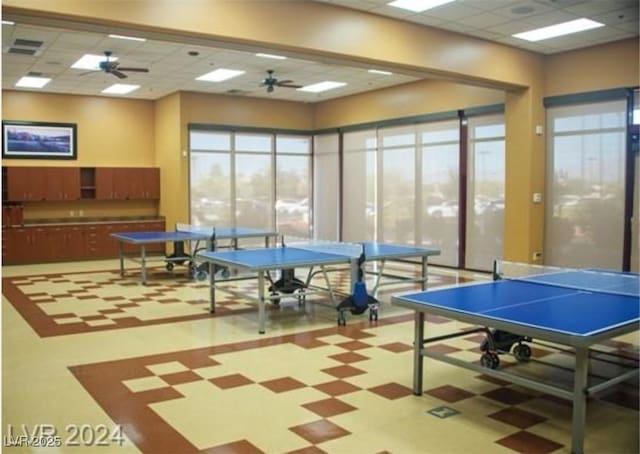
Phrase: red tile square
(443, 349)
(237, 447)
(337, 388)
(319, 431)
(308, 450)
(329, 407)
(516, 417)
(181, 377)
(353, 345)
(343, 371)
(349, 357)
(397, 347)
(391, 391)
(449, 393)
(230, 381)
(280, 385)
(508, 396)
(529, 443)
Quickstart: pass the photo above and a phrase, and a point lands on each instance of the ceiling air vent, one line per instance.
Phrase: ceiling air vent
(21, 51)
(27, 43)
(236, 92)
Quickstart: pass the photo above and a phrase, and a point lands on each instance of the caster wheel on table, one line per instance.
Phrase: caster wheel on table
(522, 352)
(490, 360)
(169, 266)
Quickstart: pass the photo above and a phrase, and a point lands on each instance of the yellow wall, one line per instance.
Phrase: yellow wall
(111, 132)
(611, 65)
(242, 111)
(173, 163)
(415, 98)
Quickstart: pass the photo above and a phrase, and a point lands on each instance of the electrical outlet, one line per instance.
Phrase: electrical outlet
(72, 213)
(81, 213)
(537, 255)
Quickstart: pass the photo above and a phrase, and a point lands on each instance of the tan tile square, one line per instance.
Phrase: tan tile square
(137, 385)
(167, 368)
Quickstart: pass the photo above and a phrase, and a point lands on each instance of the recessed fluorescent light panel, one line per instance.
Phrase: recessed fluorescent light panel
(120, 89)
(32, 82)
(418, 6)
(91, 62)
(553, 31)
(130, 38)
(275, 57)
(220, 75)
(322, 86)
(378, 71)
(8, 22)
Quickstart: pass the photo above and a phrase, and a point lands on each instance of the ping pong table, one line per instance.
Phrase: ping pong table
(310, 255)
(574, 308)
(209, 235)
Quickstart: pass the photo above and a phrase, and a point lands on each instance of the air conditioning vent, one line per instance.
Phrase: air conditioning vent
(19, 50)
(27, 43)
(235, 91)
(35, 74)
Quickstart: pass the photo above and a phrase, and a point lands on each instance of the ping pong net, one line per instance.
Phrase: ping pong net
(586, 280)
(189, 228)
(330, 247)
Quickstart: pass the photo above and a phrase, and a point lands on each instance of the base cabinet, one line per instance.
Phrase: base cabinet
(59, 243)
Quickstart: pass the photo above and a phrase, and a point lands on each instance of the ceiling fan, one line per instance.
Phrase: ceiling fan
(271, 82)
(113, 67)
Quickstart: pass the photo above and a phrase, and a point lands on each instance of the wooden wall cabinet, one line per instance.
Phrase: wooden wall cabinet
(33, 184)
(127, 183)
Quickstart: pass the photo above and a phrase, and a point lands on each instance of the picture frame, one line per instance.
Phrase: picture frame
(39, 140)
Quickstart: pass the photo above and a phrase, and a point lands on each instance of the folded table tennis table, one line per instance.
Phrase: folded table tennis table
(575, 308)
(261, 262)
(181, 234)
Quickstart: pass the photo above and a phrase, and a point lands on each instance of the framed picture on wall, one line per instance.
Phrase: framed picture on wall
(37, 140)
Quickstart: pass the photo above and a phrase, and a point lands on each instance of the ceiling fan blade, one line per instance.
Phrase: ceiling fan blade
(137, 70)
(289, 85)
(284, 82)
(118, 74)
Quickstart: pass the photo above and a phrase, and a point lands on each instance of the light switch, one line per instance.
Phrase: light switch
(537, 197)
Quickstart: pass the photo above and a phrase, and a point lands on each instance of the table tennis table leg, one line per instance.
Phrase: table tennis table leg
(261, 309)
(212, 288)
(418, 359)
(143, 261)
(425, 273)
(121, 251)
(580, 380)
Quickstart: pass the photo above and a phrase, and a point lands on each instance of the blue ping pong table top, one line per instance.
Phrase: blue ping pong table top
(559, 309)
(279, 257)
(164, 237)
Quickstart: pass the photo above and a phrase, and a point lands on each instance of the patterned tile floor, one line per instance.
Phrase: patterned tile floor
(86, 347)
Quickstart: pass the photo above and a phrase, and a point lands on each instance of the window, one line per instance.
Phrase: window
(255, 180)
(293, 185)
(326, 187)
(584, 224)
(485, 191)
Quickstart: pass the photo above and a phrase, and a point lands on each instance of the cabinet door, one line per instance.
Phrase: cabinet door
(25, 184)
(136, 183)
(28, 245)
(104, 183)
(62, 183)
(71, 183)
(122, 183)
(55, 244)
(7, 246)
(76, 242)
(152, 183)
